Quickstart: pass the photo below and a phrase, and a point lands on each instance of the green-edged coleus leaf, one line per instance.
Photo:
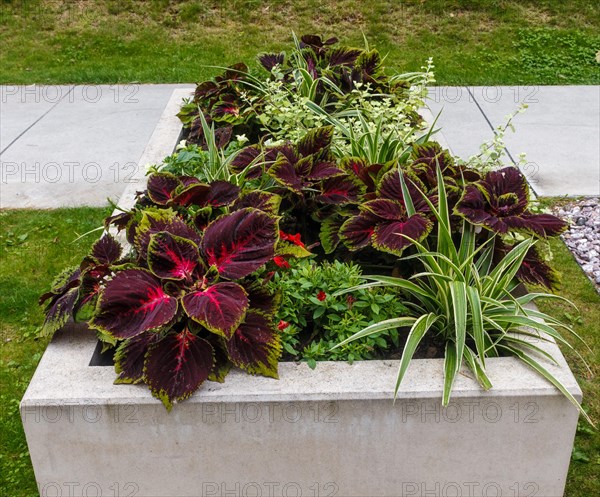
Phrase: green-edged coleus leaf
(255, 346)
(270, 60)
(228, 110)
(173, 257)
(386, 225)
(309, 163)
(499, 203)
(132, 302)
(239, 243)
(92, 280)
(222, 364)
(177, 365)
(220, 308)
(253, 159)
(534, 269)
(216, 194)
(284, 247)
(161, 187)
(262, 299)
(329, 234)
(131, 356)
(395, 228)
(264, 201)
(60, 301)
(156, 220)
(356, 231)
(106, 250)
(316, 141)
(340, 190)
(390, 188)
(368, 174)
(343, 56)
(367, 66)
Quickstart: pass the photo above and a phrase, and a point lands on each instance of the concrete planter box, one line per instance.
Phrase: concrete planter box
(334, 431)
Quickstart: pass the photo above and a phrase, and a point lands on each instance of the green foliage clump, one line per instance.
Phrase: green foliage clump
(313, 320)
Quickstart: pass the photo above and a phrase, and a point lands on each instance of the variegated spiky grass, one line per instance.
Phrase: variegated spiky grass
(463, 298)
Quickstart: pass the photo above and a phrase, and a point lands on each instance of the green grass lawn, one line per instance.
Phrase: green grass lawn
(484, 42)
(35, 245)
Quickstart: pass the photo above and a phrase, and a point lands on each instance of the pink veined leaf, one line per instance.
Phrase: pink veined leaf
(133, 302)
(239, 243)
(172, 257)
(177, 365)
(220, 308)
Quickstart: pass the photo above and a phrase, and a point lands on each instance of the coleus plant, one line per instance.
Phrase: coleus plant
(187, 303)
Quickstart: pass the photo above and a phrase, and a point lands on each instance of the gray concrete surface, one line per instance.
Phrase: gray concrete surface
(74, 145)
(336, 427)
(559, 132)
(78, 145)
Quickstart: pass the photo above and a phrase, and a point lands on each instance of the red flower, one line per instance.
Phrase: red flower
(295, 239)
(321, 295)
(281, 262)
(282, 325)
(350, 301)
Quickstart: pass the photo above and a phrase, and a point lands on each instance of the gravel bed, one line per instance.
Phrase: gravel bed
(583, 236)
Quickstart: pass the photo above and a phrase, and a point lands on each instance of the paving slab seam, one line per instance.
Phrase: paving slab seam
(36, 121)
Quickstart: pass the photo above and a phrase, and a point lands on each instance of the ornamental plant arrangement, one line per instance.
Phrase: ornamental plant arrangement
(310, 215)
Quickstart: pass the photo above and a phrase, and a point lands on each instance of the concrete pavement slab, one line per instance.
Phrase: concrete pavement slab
(559, 132)
(462, 123)
(22, 106)
(85, 149)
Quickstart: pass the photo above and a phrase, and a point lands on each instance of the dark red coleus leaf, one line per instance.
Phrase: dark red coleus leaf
(131, 356)
(255, 346)
(254, 159)
(261, 299)
(92, 279)
(155, 221)
(239, 243)
(315, 141)
(343, 56)
(106, 250)
(177, 365)
(392, 236)
(499, 202)
(385, 224)
(172, 257)
(329, 234)
(534, 270)
(284, 172)
(360, 169)
(268, 202)
(390, 188)
(161, 187)
(341, 190)
(131, 303)
(220, 308)
(60, 300)
(356, 232)
(216, 194)
(270, 60)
